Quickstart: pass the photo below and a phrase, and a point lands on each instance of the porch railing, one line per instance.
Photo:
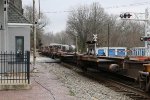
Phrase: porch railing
(14, 68)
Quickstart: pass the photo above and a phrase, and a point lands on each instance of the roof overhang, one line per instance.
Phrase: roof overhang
(18, 24)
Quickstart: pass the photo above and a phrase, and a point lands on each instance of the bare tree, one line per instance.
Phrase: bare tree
(60, 37)
(86, 21)
(28, 12)
(126, 33)
(47, 38)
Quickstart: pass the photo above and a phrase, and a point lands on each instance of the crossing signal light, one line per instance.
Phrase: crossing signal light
(145, 38)
(125, 15)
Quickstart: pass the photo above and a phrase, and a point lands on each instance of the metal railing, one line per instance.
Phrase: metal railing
(14, 68)
(138, 51)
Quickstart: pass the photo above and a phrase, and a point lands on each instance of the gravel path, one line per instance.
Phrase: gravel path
(79, 86)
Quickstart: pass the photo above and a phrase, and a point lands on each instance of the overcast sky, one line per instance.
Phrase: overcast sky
(58, 19)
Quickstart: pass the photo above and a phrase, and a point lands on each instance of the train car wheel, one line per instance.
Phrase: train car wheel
(82, 65)
(142, 84)
(84, 69)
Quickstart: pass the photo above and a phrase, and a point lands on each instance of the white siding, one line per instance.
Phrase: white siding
(2, 40)
(19, 31)
(1, 22)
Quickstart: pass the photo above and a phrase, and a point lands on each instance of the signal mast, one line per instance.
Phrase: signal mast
(146, 38)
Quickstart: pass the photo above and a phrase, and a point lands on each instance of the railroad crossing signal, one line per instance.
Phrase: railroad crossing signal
(145, 38)
(95, 37)
(125, 15)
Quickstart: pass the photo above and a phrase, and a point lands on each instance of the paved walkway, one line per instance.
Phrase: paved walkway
(45, 86)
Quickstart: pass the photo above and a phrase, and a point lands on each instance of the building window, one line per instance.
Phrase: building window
(19, 44)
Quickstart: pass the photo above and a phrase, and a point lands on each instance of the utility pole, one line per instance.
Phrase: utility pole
(147, 31)
(39, 9)
(95, 28)
(76, 43)
(34, 32)
(108, 38)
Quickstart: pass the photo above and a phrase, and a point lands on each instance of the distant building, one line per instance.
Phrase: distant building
(112, 51)
(14, 27)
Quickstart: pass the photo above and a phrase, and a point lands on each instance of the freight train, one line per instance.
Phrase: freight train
(55, 50)
(134, 68)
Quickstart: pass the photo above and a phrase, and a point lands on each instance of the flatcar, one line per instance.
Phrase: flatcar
(125, 66)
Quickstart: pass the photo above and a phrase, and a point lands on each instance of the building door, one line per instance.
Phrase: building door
(19, 47)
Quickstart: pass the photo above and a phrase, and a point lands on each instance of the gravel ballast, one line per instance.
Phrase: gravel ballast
(79, 86)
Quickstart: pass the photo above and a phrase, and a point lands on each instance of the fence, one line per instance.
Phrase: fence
(113, 51)
(123, 51)
(138, 51)
(14, 68)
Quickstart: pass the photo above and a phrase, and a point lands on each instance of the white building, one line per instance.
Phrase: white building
(14, 28)
(113, 51)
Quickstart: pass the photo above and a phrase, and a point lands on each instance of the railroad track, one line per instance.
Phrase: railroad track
(130, 91)
(127, 90)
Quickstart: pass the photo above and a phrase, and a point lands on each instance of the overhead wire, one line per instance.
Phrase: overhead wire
(133, 4)
(112, 7)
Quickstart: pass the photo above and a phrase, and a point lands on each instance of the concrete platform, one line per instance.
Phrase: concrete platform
(45, 86)
(15, 87)
(45, 60)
